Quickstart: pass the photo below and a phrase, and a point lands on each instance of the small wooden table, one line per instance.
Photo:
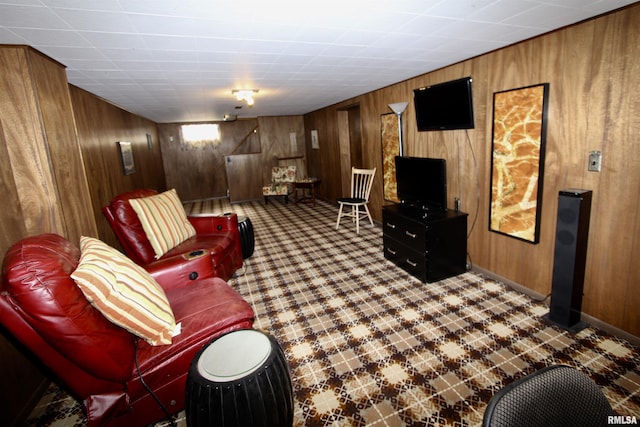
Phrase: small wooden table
(310, 184)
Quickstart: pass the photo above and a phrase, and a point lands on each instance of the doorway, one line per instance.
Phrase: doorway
(350, 140)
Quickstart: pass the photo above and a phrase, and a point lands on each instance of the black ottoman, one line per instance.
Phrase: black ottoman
(240, 379)
(247, 240)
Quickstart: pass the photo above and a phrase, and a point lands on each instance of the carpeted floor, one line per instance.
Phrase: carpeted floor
(369, 345)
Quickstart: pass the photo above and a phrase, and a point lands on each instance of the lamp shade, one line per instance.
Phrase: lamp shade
(398, 107)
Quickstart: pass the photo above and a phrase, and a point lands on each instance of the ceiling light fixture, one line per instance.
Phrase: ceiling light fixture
(245, 95)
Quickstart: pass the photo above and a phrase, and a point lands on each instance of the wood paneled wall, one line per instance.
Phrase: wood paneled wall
(594, 74)
(246, 145)
(100, 126)
(43, 182)
(324, 162)
(200, 173)
(43, 159)
(275, 140)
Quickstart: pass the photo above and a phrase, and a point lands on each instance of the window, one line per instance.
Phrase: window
(200, 135)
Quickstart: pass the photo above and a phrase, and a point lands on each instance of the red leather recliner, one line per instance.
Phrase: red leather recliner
(217, 234)
(47, 312)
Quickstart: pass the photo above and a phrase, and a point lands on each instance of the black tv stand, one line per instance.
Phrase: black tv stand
(423, 212)
(430, 245)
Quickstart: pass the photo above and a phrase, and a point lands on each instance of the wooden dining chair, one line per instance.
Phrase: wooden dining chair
(361, 183)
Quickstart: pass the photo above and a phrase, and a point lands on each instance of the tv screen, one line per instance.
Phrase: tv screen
(444, 106)
(422, 182)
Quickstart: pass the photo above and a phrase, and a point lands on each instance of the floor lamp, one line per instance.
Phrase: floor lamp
(399, 108)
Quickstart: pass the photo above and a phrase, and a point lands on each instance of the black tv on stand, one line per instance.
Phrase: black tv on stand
(422, 184)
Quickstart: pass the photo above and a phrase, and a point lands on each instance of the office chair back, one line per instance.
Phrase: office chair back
(553, 396)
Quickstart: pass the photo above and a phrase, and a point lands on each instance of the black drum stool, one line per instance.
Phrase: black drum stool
(240, 379)
(247, 240)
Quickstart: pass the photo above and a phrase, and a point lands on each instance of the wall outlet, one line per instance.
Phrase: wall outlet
(595, 161)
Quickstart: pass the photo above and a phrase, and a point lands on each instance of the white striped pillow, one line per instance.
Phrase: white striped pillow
(164, 220)
(124, 292)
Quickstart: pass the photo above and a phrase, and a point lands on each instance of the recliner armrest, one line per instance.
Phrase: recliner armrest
(180, 270)
(207, 223)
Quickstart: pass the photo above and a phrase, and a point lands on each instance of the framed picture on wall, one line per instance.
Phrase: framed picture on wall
(314, 139)
(390, 135)
(126, 157)
(517, 161)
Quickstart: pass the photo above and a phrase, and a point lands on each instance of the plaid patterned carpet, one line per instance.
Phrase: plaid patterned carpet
(369, 345)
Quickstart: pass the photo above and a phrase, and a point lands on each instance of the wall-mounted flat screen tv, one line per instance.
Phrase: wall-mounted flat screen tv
(422, 182)
(444, 106)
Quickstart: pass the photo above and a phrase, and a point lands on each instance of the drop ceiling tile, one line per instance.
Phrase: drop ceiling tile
(87, 20)
(20, 16)
(359, 38)
(95, 5)
(64, 53)
(66, 38)
(381, 20)
(125, 53)
(465, 9)
(169, 56)
(169, 59)
(516, 33)
(500, 10)
(546, 17)
(422, 25)
(81, 65)
(598, 6)
(474, 30)
(10, 37)
(100, 39)
(163, 42)
(318, 35)
(401, 41)
(305, 49)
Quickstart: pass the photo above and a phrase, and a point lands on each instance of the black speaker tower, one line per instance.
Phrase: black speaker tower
(569, 259)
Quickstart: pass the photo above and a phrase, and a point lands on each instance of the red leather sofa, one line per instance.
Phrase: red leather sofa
(218, 234)
(105, 366)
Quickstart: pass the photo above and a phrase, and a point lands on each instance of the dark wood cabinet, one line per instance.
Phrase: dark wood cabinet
(430, 247)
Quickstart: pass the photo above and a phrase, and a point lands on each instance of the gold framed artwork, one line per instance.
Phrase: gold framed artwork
(390, 134)
(517, 161)
(126, 157)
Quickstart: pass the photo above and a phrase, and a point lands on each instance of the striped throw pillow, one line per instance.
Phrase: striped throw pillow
(164, 220)
(124, 292)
